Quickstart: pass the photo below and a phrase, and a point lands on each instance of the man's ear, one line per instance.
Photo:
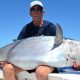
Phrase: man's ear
(30, 14)
(43, 12)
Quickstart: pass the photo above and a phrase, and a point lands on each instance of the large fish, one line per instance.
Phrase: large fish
(42, 50)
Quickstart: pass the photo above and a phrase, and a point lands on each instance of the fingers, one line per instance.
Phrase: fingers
(2, 63)
(76, 65)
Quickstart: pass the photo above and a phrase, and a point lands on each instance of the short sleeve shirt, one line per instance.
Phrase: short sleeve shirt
(30, 30)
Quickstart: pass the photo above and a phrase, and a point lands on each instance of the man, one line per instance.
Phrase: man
(37, 27)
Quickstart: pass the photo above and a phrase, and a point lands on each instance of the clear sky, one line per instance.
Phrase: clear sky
(14, 14)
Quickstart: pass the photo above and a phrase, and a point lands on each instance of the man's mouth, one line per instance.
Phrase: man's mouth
(36, 17)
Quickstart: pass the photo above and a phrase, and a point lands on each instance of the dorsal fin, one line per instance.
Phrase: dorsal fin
(59, 36)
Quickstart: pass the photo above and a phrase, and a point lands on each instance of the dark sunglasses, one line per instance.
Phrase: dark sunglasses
(36, 10)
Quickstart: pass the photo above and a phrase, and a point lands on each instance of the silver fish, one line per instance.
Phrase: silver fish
(31, 52)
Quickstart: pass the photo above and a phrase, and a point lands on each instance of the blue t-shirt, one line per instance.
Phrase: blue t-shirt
(29, 30)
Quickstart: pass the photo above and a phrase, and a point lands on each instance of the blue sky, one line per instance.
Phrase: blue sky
(14, 14)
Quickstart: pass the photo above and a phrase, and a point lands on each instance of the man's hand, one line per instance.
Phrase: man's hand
(1, 63)
(76, 65)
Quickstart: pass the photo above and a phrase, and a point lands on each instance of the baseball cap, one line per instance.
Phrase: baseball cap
(36, 3)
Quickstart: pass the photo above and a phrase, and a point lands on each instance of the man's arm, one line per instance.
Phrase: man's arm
(22, 33)
(52, 30)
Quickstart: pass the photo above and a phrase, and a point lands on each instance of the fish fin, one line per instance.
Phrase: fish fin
(59, 36)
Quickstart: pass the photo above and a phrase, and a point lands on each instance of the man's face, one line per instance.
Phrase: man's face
(36, 12)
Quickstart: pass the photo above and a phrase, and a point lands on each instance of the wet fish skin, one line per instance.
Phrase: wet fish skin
(31, 52)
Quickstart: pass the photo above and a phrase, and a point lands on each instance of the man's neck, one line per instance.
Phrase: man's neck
(38, 23)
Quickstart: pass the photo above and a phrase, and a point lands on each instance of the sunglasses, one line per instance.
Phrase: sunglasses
(36, 10)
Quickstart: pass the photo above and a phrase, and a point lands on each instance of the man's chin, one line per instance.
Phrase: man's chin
(37, 19)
